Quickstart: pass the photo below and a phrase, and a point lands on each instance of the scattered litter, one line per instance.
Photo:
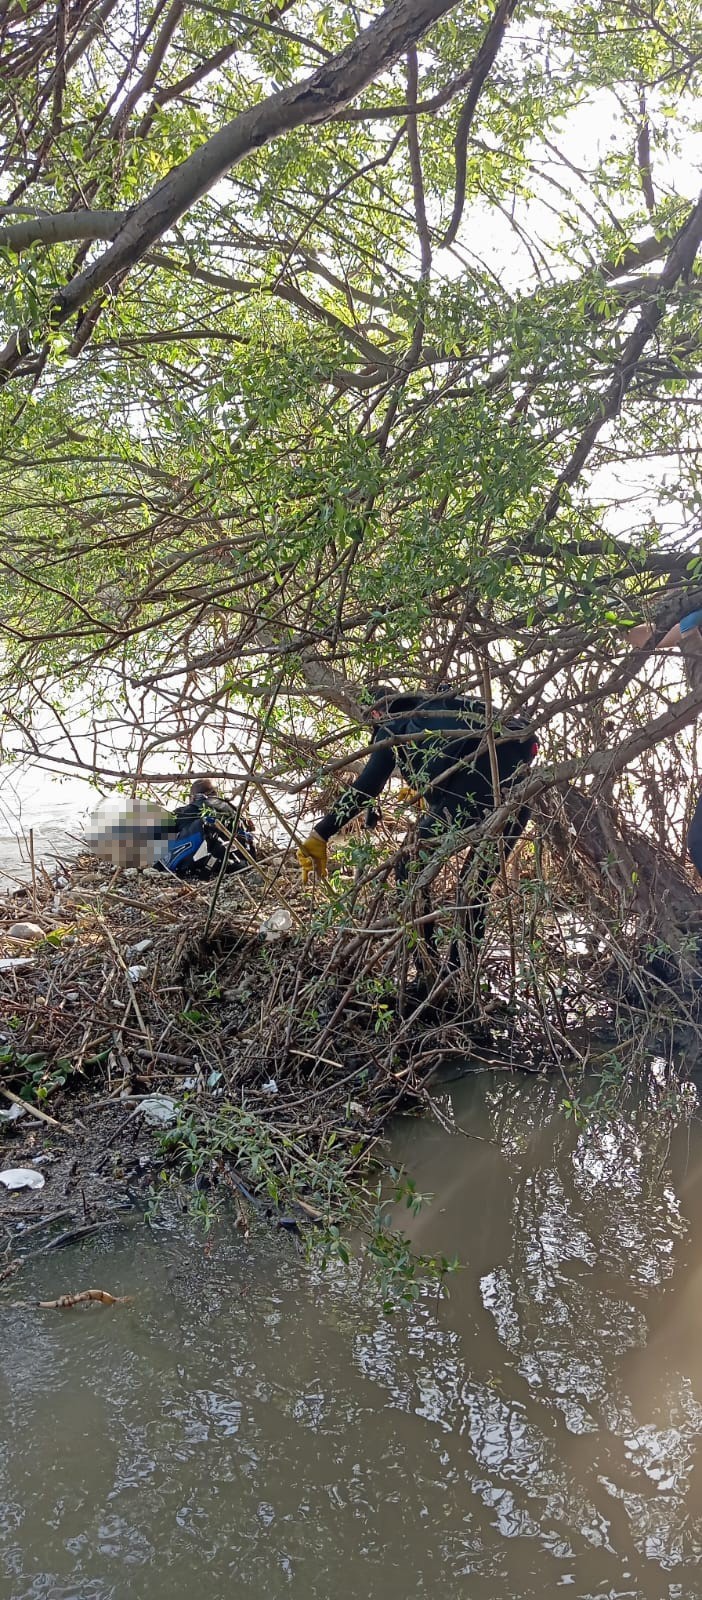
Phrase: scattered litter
(138, 949)
(13, 1113)
(22, 1178)
(135, 973)
(277, 925)
(269, 1087)
(213, 1078)
(10, 963)
(25, 930)
(158, 1110)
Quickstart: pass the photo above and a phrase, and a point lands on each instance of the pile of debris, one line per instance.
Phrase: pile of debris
(145, 1029)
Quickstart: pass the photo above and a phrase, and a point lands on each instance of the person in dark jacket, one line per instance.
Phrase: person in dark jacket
(433, 740)
(201, 831)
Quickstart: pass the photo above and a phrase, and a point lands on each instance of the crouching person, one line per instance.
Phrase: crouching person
(435, 741)
(205, 833)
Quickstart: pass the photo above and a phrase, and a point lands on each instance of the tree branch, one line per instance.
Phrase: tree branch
(679, 264)
(317, 98)
(643, 156)
(420, 210)
(61, 227)
(482, 64)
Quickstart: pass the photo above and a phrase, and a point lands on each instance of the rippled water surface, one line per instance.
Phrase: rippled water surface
(55, 812)
(249, 1427)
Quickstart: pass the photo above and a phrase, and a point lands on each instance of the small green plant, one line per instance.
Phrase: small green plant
(195, 1019)
(41, 1078)
(338, 1209)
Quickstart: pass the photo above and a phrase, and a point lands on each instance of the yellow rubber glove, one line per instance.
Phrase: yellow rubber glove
(312, 856)
(407, 796)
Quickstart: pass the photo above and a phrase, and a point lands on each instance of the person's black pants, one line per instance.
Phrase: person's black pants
(465, 803)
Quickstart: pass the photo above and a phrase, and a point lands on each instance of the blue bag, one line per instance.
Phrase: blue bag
(185, 848)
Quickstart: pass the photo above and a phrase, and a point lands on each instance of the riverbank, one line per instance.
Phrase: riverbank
(149, 1034)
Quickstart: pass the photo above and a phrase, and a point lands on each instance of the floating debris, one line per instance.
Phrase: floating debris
(66, 1302)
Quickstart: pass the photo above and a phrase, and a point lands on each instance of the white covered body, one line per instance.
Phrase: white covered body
(127, 832)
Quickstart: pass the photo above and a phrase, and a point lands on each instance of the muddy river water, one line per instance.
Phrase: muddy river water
(249, 1426)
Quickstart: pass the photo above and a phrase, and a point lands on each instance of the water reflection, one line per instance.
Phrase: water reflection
(250, 1425)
